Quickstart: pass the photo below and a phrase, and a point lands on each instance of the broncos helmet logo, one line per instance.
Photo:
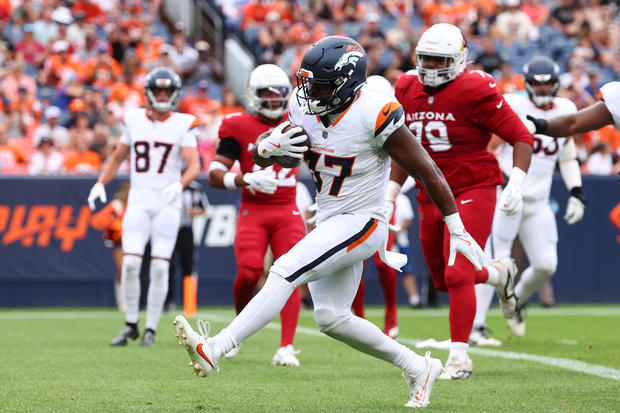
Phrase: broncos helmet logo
(349, 58)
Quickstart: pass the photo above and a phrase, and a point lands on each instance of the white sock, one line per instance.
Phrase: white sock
(458, 350)
(262, 309)
(414, 300)
(130, 283)
(484, 296)
(158, 289)
(366, 337)
(118, 294)
(493, 275)
(530, 282)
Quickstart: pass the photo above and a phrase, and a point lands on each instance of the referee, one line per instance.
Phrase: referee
(195, 203)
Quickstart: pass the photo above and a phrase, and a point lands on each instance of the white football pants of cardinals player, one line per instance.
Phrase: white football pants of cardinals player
(148, 217)
(330, 259)
(536, 227)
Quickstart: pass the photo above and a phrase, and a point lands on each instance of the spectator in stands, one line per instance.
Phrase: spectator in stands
(183, 55)
(513, 24)
(102, 71)
(229, 103)
(490, 60)
(199, 103)
(11, 155)
(102, 143)
(508, 81)
(45, 29)
(600, 161)
(46, 160)
(567, 17)
(51, 129)
(93, 14)
(120, 41)
(76, 32)
(62, 16)
(25, 11)
(537, 11)
(271, 38)
(82, 160)
(149, 47)
(29, 49)
(89, 48)
(15, 79)
(27, 111)
(254, 13)
(351, 11)
(81, 129)
(207, 67)
(372, 35)
(61, 67)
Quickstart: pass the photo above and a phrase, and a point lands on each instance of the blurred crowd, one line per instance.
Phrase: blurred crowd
(70, 68)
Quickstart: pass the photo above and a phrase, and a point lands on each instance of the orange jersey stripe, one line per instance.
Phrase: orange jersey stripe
(364, 237)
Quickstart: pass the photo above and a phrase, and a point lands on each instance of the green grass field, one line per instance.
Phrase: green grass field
(59, 361)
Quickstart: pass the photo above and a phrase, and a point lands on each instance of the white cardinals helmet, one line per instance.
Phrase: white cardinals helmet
(441, 40)
(274, 79)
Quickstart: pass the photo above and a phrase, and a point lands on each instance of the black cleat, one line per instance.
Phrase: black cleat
(126, 334)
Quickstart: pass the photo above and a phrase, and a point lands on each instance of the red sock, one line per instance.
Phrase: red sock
(243, 290)
(358, 301)
(462, 312)
(289, 317)
(482, 276)
(388, 279)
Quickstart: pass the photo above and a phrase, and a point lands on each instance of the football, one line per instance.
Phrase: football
(288, 161)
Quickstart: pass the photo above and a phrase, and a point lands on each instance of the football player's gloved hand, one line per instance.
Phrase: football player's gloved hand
(96, 192)
(535, 125)
(280, 143)
(312, 220)
(575, 207)
(172, 191)
(461, 241)
(263, 181)
(511, 200)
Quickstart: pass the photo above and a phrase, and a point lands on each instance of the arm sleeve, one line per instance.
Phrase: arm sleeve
(491, 110)
(230, 148)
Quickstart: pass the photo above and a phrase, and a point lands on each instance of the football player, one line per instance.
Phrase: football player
(535, 223)
(453, 113)
(268, 214)
(159, 141)
(353, 132)
(605, 112)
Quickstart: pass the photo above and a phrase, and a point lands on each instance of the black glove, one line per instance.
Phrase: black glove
(541, 124)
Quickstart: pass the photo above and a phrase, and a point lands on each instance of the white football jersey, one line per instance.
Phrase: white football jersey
(349, 165)
(537, 183)
(155, 147)
(611, 96)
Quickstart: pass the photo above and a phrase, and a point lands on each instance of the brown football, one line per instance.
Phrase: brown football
(288, 161)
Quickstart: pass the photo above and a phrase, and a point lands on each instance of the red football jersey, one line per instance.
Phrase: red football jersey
(455, 124)
(245, 128)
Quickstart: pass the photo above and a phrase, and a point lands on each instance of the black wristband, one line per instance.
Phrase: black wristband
(577, 192)
(541, 124)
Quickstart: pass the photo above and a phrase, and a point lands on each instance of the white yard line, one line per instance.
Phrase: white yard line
(226, 316)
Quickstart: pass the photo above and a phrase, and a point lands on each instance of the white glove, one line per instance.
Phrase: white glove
(262, 181)
(280, 143)
(96, 192)
(511, 200)
(312, 220)
(574, 210)
(172, 192)
(461, 241)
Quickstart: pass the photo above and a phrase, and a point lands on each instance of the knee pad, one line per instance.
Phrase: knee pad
(325, 319)
(547, 264)
(131, 264)
(159, 271)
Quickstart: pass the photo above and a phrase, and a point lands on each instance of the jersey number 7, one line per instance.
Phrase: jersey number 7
(346, 166)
